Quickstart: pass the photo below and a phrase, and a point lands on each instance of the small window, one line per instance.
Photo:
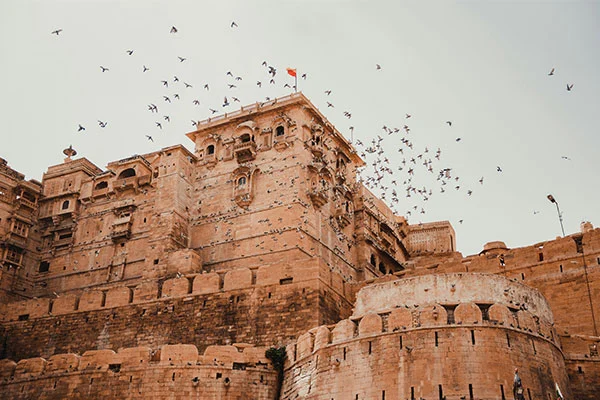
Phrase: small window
(101, 185)
(210, 149)
(381, 268)
(373, 260)
(241, 181)
(279, 131)
(245, 138)
(44, 266)
(65, 205)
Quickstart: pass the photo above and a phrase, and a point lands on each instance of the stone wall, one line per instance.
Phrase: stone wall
(173, 371)
(264, 306)
(427, 346)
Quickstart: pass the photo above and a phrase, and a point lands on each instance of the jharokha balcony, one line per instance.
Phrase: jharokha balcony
(319, 197)
(245, 151)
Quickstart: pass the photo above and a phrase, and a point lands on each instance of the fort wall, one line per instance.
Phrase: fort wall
(172, 371)
(429, 349)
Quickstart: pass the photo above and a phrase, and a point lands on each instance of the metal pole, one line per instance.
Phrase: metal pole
(560, 218)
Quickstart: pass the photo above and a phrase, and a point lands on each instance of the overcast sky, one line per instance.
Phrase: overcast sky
(481, 65)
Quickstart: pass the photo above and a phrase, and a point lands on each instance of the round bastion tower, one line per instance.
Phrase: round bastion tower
(450, 336)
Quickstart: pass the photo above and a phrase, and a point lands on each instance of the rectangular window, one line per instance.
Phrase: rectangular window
(472, 337)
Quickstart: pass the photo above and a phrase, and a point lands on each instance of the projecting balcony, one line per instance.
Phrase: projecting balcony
(23, 202)
(318, 197)
(316, 149)
(343, 218)
(126, 183)
(15, 239)
(121, 228)
(245, 151)
(387, 239)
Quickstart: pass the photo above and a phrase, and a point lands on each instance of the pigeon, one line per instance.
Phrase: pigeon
(159, 125)
(130, 52)
(551, 72)
(196, 102)
(565, 158)
(165, 83)
(104, 69)
(458, 139)
(150, 138)
(498, 169)
(181, 59)
(233, 23)
(173, 29)
(81, 128)
(569, 87)
(225, 102)
(102, 124)
(328, 92)
(449, 123)
(377, 66)
(187, 85)
(145, 69)
(56, 32)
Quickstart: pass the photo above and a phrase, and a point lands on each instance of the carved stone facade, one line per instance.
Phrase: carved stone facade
(259, 236)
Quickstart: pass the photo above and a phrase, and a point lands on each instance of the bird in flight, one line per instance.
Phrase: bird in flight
(187, 85)
(130, 52)
(153, 108)
(150, 138)
(159, 125)
(329, 104)
(498, 169)
(176, 96)
(328, 92)
(303, 76)
(56, 32)
(569, 87)
(458, 139)
(175, 78)
(196, 102)
(551, 72)
(231, 86)
(167, 118)
(206, 86)
(165, 83)
(233, 24)
(167, 99)
(213, 111)
(460, 221)
(102, 124)
(259, 83)
(145, 69)
(565, 158)
(449, 123)
(535, 212)
(181, 59)
(408, 116)
(81, 128)
(173, 29)
(235, 99)
(481, 180)
(225, 102)
(377, 66)
(104, 69)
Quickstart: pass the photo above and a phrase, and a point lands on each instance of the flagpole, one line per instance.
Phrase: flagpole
(296, 82)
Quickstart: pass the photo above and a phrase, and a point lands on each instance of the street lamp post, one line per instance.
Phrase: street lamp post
(553, 200)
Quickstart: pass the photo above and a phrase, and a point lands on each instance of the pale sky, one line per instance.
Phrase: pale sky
(481, 65)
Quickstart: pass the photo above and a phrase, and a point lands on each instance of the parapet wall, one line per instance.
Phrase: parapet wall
(427, 350)
(173, 371)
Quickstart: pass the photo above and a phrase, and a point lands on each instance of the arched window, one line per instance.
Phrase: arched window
(101, 185)
(210, 149)
(127, 173)
(65, 205)
(245, 138)
(279, 131)
(241, 181)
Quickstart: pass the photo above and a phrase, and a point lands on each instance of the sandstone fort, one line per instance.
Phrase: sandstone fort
(169, 275)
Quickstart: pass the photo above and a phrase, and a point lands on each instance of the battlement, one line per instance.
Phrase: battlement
(183, 285)
(235, 369)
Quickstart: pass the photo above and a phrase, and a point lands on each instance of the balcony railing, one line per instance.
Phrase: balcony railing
(319, 197)
(245, 151)
(22, 201)
(126, 183)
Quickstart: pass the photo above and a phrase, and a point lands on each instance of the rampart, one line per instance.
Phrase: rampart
(172, 371)
(262, 306)
(431, 346)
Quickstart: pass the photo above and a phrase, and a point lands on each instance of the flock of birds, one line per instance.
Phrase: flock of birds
(392, 181)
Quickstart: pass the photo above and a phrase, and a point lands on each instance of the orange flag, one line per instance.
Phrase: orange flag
(292, 71)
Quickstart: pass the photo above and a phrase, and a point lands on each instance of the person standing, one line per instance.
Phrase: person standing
(518, 391)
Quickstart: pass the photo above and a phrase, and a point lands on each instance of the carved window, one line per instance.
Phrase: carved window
(101, 185)
(210, 149)
(245, 138)
(128, 173)
(279, 131)
(20, 228)
(65, 205)
(241, 182)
